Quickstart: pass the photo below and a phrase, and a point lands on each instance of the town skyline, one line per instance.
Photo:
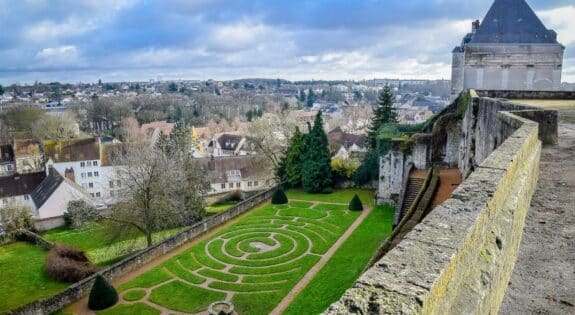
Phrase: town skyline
(200, 40)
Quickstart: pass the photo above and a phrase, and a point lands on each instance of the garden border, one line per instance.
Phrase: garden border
(79, 289)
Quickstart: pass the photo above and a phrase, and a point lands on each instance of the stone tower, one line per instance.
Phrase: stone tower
(510, 50)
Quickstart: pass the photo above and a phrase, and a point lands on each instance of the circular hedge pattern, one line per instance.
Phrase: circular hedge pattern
(264, 254)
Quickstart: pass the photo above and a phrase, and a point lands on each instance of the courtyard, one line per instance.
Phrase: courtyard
(263, 260)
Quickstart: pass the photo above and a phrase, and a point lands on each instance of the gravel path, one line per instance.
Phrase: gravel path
(543, 281)
(280, 308)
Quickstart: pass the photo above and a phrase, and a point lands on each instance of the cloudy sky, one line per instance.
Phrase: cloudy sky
(84, 40)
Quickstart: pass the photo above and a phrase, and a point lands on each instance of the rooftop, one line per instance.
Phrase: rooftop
(512, 21)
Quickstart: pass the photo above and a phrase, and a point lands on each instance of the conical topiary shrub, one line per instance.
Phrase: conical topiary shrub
(355, 204)
(279, 197)
(102, 295)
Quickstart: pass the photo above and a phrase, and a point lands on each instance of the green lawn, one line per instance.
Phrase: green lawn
(102, 247)
(220, 207)
(259, 258)
(346, 265)
(339, 196)
(22, 277)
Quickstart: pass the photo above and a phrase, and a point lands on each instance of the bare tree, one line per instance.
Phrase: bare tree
(162, 190)
(270, 134)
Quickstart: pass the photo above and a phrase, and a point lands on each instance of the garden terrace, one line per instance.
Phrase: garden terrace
(257, 260)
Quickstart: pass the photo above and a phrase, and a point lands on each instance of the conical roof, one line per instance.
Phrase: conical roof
(513, 21)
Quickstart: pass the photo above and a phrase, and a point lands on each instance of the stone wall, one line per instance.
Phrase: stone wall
(393, 170)
(77, 290)
(459, 259)
(49, 223)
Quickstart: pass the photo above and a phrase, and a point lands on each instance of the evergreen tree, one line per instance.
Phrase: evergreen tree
(302, 95)
(316, 158)
(384, 113)
(1, 90)
(310, 98)
(180, 137)
(102, 295)
(293, 163)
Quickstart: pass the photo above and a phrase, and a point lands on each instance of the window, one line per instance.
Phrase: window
(4, 201)
(91, 185)
(89, 174)
(111, 193)
(223, 186)
(95, 163)
(118, 183)
(238, 184)
(82, 164)
(97, 194)
(111, 184)
(256, 183)
(234, 175)
(26, 197)
(249, 184)
(83, 175)
(231, 185)
(92, 194)
(96, 174)
(9, 167)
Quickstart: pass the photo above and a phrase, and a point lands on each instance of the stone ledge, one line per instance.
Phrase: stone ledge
(448, 263)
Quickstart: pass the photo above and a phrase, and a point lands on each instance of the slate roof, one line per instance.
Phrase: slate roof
(250, 166)
(72, 150)
(46, 188)
(19, 185)
(345, 139)
(512, 21)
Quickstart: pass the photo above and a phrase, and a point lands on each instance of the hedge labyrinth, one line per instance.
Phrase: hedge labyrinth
(254, 262)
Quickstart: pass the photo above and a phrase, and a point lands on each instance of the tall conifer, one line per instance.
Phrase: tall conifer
(316, 171)
(384, 113)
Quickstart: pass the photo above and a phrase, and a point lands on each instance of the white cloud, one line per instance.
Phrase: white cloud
(562, 20)
(238, 36)
(59, 56)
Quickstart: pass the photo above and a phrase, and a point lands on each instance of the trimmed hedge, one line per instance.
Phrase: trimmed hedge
(102, 295)
(279, 197)
(67, 264)
(355, 204)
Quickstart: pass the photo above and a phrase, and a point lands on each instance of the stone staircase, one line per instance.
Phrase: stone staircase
(411, 191)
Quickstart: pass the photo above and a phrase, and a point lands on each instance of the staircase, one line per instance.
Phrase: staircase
(411, 191)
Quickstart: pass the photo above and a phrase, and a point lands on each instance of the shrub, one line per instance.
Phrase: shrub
(78, 212)
(67, 264)
(279, 197)
(355, 204)
(102, 295)
(14, 216)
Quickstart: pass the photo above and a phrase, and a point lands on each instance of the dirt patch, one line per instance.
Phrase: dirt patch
(263, 247)
(543, 281)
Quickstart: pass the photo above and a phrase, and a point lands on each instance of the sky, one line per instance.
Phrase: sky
(137, 40)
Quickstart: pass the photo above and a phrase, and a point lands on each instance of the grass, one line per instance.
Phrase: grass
(22, 277)
(136, 308)
(339, 196)
(134, 295)
(345, 266)
(179, 296)
(270, 272)
(220, 207)
(101, 247)
(259, 279)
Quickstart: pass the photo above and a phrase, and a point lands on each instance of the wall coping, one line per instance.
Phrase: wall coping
(424, 273)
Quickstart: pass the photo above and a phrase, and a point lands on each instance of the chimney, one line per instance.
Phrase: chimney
(474, 26)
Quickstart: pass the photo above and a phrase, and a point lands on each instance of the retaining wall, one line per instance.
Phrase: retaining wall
(77, 290)
(459, 259)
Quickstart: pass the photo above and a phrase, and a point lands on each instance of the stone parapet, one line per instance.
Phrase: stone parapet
(459, 259)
